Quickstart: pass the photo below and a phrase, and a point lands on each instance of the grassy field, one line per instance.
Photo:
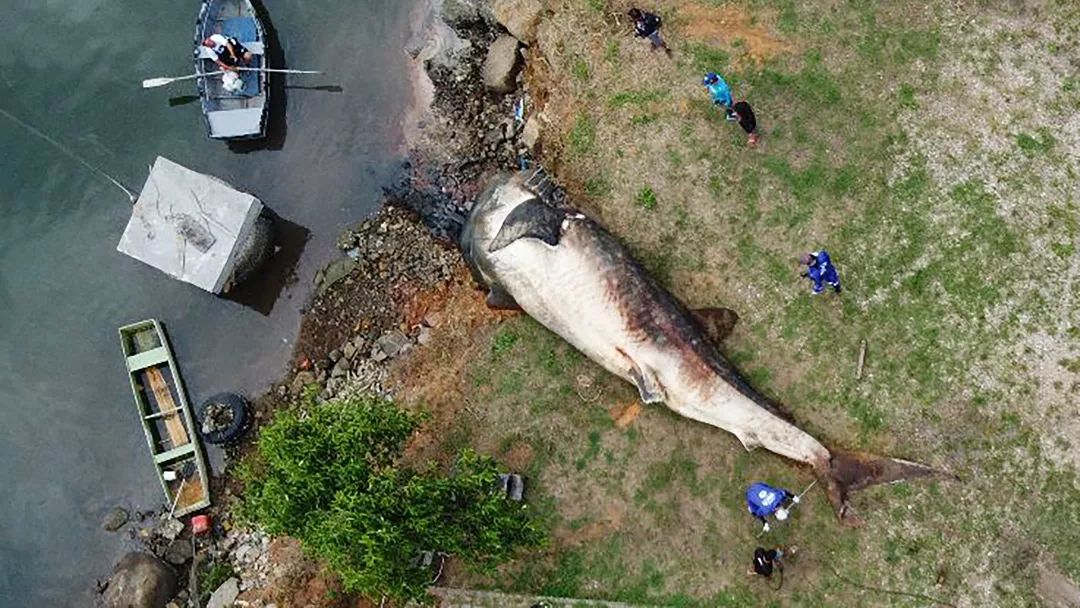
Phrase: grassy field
(932, 149)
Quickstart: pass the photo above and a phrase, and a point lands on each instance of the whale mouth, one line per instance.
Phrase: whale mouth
(850, 471)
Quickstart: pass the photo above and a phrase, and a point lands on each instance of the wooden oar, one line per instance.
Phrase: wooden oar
(151, 83)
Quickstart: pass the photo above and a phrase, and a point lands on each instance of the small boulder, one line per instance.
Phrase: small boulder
(349, 350)
(341, 368)
(179, 552)
(390, 344)
(225, 595)
(500, 65)
(140, 580)
(464, 11)
(424, 335)
(116, 519)
(170, 528)
(300, 381)
(519, 17)
(530, 135)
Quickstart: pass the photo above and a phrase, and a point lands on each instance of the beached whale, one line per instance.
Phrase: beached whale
(576, 279)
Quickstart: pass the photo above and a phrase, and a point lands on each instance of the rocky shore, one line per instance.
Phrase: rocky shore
(380, 300)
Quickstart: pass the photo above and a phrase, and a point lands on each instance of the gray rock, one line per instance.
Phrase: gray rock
(225, 595)
(500, 65)
(530, 135)
(359, 342)
(519, 17)
(116, 519)
(391, 343)
(341, 368)
(349, 350)
(460, 11)
(171, 529)
(335, 355)
(424, 335)
(140, 580)
(334, 272)
(301, 380)
(179, 552)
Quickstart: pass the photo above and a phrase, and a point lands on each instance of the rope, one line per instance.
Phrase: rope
(919, 596)
(73, 156)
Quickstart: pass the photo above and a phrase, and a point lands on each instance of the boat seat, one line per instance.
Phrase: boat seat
(255, 46)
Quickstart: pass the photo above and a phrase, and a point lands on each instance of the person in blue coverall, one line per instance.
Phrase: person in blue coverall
(720, 92)
(820, 271)
(763, 500)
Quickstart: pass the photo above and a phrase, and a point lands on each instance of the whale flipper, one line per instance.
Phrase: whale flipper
(531, 219)
(498, 299)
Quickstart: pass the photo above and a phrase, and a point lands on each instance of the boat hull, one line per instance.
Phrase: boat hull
(165, 415)
(232, 115)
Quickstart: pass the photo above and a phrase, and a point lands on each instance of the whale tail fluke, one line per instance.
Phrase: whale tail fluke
(850, 471)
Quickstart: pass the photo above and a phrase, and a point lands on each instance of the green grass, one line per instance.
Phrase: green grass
(582, 136)
(580, 69)
(950, 262)
(212, 577)
(647, 198)
(1035, 144)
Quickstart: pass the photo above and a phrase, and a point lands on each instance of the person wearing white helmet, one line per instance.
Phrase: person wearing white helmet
(763, 501)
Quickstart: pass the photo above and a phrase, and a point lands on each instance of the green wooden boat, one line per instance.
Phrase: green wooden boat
(166, 418)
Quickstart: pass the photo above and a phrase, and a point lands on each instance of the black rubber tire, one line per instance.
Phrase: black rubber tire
(240, 421)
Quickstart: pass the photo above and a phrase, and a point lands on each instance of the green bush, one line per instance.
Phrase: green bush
(329, 476)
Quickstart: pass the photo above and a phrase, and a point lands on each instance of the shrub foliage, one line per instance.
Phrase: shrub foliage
(329, 476)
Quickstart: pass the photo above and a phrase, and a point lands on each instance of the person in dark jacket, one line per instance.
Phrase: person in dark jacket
(747, 121)
(767, 561)
(647, 25)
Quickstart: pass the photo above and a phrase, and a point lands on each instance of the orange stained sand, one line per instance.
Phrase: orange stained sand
(624, 416)
(724, 25)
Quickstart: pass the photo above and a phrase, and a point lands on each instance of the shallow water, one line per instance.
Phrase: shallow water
(70, 443)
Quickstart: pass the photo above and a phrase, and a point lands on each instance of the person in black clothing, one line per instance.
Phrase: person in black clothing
(747, 121)
(647, 25)
(766, 561)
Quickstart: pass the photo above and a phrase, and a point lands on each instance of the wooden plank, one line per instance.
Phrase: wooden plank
(147, 359)
(160, 414)
(174, 423)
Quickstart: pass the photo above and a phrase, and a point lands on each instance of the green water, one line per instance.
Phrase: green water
(71, 447)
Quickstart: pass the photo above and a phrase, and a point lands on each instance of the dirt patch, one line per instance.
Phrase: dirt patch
(518, 457)
(730, 26)
(1056, 590)
(625, 415)
(458, 318)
